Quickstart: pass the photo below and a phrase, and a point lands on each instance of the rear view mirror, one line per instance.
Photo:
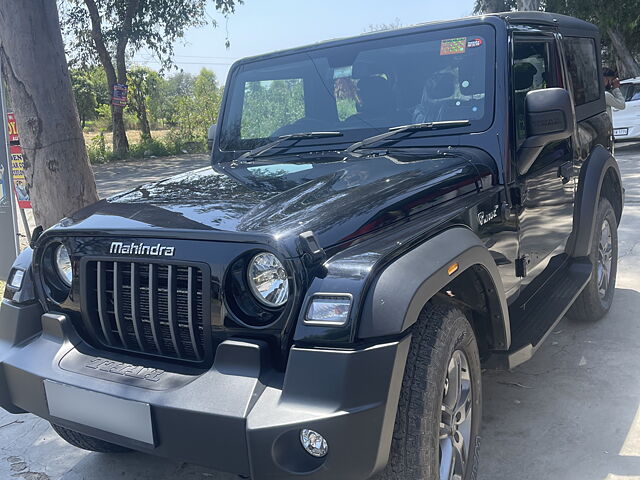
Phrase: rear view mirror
(211, 136)
(549, 117)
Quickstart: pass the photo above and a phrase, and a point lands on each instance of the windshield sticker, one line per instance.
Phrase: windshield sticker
(453, 46)
(476, 42)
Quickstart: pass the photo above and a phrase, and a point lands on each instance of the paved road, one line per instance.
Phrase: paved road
(116, 177)
(571, 413)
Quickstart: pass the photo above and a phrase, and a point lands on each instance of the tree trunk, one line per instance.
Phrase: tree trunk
(59, 178)
(145, 128)
(529, 5)
(627, 65)
(120, 142)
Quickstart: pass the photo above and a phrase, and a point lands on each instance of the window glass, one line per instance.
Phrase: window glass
(345, 90)
(630, 91)
(363, 88)
(271, 104)
(535, 66)
(583, 69)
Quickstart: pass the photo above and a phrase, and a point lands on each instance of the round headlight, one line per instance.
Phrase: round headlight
(63, 264)
(268, 280)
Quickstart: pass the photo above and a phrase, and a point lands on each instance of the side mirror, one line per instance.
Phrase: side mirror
(211, 136)
(549, 117)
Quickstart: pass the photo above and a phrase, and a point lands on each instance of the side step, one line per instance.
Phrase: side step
(534, 317)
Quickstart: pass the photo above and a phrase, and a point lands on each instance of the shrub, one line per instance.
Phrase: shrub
(98, 151)
(150, 148)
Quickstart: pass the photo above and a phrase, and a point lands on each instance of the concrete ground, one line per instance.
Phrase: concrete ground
(571, 413)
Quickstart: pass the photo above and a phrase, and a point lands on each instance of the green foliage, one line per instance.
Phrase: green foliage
(143, 84)
(98, 151)
(494, 6)
(98, 79)
(381, 27)
(193, 112)
(346, 93)
(622, 15)
(152, 148)
(187, 103)
(84, 93)
(151, 24)
(270, 105)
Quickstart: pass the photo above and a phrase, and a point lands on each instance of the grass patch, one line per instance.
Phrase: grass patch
(2, 285)
(99, 148)
(132, 135)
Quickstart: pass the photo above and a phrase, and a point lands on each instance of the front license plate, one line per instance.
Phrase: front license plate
(619, 132)
(126, 418)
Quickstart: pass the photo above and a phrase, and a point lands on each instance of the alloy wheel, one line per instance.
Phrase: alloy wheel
(605, 257)
(456, 417)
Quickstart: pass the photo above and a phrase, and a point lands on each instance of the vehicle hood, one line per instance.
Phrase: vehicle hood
(339, 198)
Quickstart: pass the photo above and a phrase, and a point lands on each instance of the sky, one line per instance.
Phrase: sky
(261, 26)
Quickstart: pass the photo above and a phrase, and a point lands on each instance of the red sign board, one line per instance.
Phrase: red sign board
(119, 97)
(13, 128)
(19, 180)
(17, 163)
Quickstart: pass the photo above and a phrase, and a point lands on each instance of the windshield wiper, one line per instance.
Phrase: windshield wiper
(413, 127)
(256, 152)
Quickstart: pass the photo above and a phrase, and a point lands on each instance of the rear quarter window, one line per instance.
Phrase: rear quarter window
(582, 64)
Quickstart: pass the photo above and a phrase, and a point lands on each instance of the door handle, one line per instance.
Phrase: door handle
(566, 172)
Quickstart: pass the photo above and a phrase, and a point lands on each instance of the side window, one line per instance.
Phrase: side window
(582, 63)
(535, 66)
(271, 104)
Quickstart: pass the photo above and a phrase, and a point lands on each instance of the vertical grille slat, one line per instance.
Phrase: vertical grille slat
(103, 307)
(117, 302)
(172, 308)
(135, 307)
(153, 306)
(149, 308)
(192, 311)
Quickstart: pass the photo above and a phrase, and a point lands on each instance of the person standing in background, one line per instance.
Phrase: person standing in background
(613, 96)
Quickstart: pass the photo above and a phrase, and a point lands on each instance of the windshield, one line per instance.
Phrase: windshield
(631, 91)
(363, 88)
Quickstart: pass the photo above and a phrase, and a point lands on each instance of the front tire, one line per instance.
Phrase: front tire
(86, 442)
(440, 407)
(595, 300)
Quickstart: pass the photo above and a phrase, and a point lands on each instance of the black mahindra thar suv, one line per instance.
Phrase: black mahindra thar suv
(382, 215)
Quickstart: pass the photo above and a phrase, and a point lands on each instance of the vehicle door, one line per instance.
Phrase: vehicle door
(544, 195)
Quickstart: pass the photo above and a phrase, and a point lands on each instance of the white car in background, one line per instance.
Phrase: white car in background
(626, 123)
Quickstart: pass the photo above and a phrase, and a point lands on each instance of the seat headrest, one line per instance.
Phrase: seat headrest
(524, 73)
(440, 85)
(375, 94)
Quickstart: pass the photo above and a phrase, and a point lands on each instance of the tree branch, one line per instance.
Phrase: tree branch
(123, 39)
(98, 40)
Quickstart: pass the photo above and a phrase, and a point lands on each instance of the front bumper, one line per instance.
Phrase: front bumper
(240, 416)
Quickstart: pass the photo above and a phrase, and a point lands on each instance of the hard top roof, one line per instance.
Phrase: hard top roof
(514, 18)
(545, 18)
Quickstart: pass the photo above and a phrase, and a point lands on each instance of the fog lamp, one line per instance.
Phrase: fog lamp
(314, 443)
(328, 310)
(16, 279)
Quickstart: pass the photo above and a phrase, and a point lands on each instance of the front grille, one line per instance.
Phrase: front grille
(150, 308)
